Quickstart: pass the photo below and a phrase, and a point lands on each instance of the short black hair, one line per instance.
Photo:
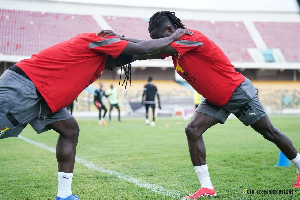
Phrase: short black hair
(160, 17)
(150, 78)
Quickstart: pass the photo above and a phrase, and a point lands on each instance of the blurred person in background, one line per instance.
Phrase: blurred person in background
(113, 99)
(98, 95)
(148, 99)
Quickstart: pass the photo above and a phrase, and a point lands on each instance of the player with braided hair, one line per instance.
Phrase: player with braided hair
(208, 70)
(160, 17)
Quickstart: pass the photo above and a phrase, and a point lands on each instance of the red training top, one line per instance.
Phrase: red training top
(206, 68)
(61, 72)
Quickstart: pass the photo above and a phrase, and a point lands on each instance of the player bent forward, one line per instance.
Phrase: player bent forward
(207, 69)
(37, 90)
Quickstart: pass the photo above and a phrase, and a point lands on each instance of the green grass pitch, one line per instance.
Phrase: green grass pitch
(238, 158)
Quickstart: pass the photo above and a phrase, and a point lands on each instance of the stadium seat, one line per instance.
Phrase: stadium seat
(277, 96)
(287, 41)
(26, 33)
(129, 26)
(232, 37)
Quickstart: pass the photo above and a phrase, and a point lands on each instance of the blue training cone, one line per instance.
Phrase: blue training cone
(283, 161)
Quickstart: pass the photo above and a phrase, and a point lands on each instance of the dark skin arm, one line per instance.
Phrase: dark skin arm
(146, 57)
(105, 94)
(153, 46)
(150, 47)
(132, 40)
(158, 101)
(122, 37)
(168, 50)
(144, 93)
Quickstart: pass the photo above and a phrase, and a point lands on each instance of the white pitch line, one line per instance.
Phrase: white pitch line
(152, 187)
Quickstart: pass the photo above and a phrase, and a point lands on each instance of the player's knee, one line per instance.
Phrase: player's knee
(73, 131)
(192, 132)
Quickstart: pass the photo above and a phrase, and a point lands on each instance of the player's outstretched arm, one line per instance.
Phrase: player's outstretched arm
(146, 57)
(168, 50)
(154, 46)
(122, 37)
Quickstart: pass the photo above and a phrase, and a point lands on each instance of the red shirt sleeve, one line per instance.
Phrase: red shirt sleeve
(110, 45)
(187, 43)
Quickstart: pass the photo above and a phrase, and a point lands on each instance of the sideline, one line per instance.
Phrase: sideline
(152, 187)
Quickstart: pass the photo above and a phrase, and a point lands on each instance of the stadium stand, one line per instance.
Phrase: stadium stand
(287, 41)
(129, 26)
(279, 96)
(26, 33)
(232, 37)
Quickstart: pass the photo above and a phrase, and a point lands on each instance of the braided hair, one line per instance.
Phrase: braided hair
(123, 61)
(158, 18)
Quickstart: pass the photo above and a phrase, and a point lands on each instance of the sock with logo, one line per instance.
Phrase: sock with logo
(64, 184)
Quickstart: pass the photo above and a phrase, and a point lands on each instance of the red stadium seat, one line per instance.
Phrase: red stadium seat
(232, 37)
(287, 41)
(26, 33)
